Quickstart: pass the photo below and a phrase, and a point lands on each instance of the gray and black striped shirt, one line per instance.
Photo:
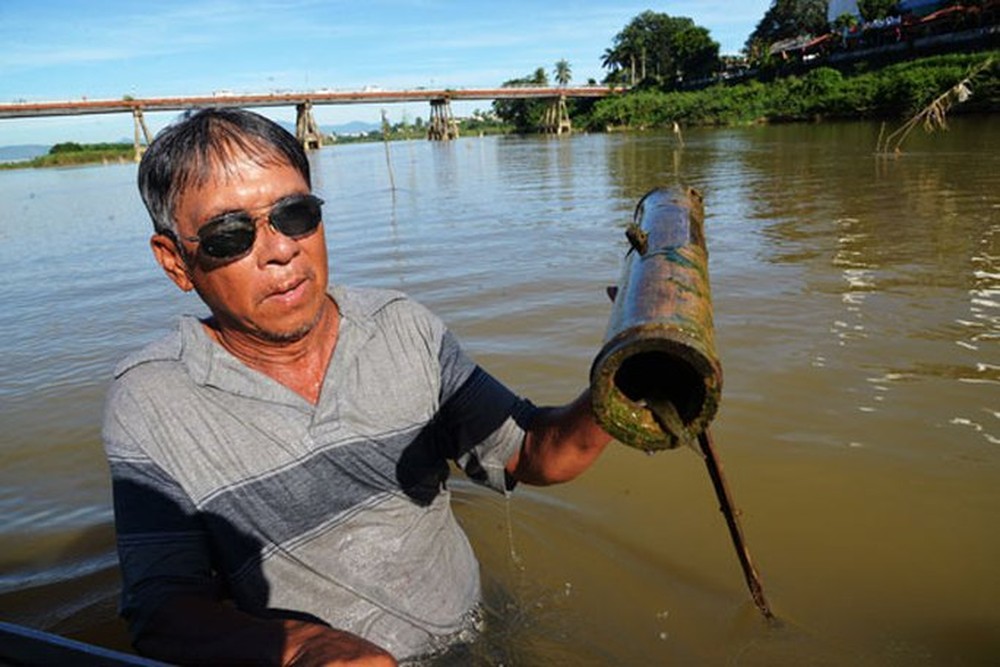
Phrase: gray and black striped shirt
(230, 484)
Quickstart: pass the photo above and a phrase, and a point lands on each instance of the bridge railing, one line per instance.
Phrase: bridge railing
(28, 109)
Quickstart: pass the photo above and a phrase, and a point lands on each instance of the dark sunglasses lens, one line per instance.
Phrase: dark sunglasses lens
(297, 216)
(230, 236)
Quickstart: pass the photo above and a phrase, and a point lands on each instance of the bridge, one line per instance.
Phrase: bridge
(442, 125)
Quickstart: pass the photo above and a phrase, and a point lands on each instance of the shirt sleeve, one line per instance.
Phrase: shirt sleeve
(162, 540)
(483, 422)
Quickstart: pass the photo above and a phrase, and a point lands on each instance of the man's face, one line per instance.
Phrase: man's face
(276, 291)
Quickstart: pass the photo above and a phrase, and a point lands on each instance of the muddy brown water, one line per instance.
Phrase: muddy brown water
(857, 314)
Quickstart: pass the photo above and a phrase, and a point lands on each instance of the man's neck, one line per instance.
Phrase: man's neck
(298, 364)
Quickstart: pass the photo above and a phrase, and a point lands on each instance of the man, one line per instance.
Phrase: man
(279, 467)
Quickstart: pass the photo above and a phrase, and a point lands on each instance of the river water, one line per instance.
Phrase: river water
(857, 313)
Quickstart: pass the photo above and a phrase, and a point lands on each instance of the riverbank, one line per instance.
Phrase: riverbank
(893, 92)
(84, 154)
(72, 154)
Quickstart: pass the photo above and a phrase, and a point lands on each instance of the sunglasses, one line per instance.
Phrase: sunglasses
(232, 234)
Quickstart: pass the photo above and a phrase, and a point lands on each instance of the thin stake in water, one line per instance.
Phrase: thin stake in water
(732, 520)
(669, 420)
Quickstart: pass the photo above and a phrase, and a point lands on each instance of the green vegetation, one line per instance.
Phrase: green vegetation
(934, 115)
(896, 91)
(72, 148)
(479, 123)
(872, 10)
(676, 77)
(785, 19)
(563, 73)
(523, 115)
(70, 153)
(656, 49)
(670, 64)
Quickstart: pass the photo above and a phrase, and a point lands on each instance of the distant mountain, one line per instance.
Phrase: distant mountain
(22, 152)
(353, 127)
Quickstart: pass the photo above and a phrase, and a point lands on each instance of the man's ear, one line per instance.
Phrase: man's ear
(169, 257)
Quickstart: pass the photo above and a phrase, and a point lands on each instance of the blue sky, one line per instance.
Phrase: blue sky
(104, 49)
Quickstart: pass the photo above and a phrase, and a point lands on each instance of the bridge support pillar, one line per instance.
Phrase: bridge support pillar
(442, 126)
(140, 126)
(306, 129)
(556, 118)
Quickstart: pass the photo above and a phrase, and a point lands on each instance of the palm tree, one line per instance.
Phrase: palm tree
(615, 61)
(628, 51)
(562, 73)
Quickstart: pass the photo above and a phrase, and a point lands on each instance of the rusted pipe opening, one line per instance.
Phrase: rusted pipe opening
(656, 375)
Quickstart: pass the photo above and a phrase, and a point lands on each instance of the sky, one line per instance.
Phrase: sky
(105, 49)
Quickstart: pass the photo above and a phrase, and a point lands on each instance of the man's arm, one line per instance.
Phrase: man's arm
(561, 443)
(191, 629)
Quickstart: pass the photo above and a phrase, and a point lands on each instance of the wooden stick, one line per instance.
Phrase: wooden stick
(388, 160)
(732, 520)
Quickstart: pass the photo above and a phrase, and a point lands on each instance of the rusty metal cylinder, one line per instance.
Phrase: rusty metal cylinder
(659, 347)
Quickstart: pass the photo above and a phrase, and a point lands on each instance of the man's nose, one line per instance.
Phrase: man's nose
(274, 246)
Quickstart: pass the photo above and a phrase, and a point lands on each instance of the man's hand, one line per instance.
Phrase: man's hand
(312, 645)
(196, 630)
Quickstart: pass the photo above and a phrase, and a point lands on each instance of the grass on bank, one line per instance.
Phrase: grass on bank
(467, 127)
(70, 153)
(892, 92)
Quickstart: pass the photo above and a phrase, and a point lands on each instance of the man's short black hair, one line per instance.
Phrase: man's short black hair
(188, 152)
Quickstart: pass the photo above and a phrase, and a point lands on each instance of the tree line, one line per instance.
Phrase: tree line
(893, 92)
(655, 55)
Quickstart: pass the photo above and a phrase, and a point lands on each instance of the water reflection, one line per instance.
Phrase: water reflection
(856, 310)
(982, 332)
(984, 294)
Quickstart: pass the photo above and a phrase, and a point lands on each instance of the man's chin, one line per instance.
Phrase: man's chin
(289, 336)
(292, 332)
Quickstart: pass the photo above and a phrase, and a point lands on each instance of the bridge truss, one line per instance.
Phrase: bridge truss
(442, 125)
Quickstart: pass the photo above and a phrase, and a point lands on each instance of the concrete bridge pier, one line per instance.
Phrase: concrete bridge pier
(306, 129)
(140, 125)
(442, 126)
(556, 118)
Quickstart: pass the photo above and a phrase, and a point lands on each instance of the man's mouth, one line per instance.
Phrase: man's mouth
(287, 291)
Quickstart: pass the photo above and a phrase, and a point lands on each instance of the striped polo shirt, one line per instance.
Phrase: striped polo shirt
(227, 483)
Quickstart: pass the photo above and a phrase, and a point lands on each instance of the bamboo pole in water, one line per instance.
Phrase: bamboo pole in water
(657, 381)
(659, 352)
